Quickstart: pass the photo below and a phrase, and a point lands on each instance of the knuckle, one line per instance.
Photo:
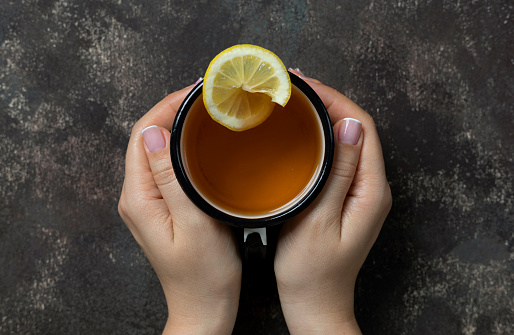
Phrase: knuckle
(369, 120)
(387, 197)
(383, 197)
(344, 169)
(136, 128)
(378, 195)
(121, 208)
(124, 211)
(163, 172)
(128, 205)
(122, 204)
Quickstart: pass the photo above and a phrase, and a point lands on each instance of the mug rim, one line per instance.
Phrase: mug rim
(299, 206)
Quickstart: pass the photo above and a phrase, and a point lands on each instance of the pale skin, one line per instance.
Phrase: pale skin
(319, 253)
(194, 256)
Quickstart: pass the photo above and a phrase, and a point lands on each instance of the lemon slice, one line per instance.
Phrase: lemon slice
(242, 85)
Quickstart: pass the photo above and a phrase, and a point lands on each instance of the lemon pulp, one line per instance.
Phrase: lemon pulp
(242, 85)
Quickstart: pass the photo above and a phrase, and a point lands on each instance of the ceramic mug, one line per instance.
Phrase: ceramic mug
(257, 178)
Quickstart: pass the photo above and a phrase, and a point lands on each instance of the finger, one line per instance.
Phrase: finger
(157, 142)
(348, 144)
(129, 214)
(371, 165)
(163, 113)
(140, 189)
(369, 196)
(300, 74)
(138, 176)
(338, 105)
(185, 219)
(369, 192)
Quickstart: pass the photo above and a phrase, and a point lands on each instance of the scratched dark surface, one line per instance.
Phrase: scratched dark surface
(437, 76)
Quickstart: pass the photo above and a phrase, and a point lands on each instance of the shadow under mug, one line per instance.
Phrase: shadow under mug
(253, 227)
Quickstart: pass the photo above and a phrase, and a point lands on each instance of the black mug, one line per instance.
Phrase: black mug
(252, 226)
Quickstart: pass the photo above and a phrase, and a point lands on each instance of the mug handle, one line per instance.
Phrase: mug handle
(255, 242)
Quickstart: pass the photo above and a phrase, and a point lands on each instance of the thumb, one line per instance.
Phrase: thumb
(348, 144)
(157, 142)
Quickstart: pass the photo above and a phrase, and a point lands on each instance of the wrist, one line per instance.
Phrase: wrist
(202, 320)
(320, 314)
(201, 314)
(323, 325)
(314, 320)
(200, 327)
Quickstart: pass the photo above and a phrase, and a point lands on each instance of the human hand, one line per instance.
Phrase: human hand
(194, 256)
(321, 251)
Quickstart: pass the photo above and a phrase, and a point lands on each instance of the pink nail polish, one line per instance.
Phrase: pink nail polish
(296, 71)
(199, 80)
(350, 131)
(300, 72)
(154, 139)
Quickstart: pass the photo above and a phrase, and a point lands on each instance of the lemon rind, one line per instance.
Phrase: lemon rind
(280, 97)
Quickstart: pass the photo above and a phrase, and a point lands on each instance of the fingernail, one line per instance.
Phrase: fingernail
(154, 139)
(350, 131)
(199, 80)
(298, 73)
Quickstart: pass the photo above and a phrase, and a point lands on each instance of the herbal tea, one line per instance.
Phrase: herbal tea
(256, 172)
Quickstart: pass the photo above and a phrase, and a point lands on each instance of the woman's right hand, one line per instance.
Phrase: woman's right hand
(320, 252)
(195, 257)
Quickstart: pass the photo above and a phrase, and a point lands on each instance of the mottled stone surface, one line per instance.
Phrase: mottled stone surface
(437, 76)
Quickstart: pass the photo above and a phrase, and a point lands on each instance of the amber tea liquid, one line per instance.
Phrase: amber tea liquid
(258, 172)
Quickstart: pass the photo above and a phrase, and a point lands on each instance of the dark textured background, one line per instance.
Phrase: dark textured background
(437, 76)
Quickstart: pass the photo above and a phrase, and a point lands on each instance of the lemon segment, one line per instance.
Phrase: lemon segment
(242, 85)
